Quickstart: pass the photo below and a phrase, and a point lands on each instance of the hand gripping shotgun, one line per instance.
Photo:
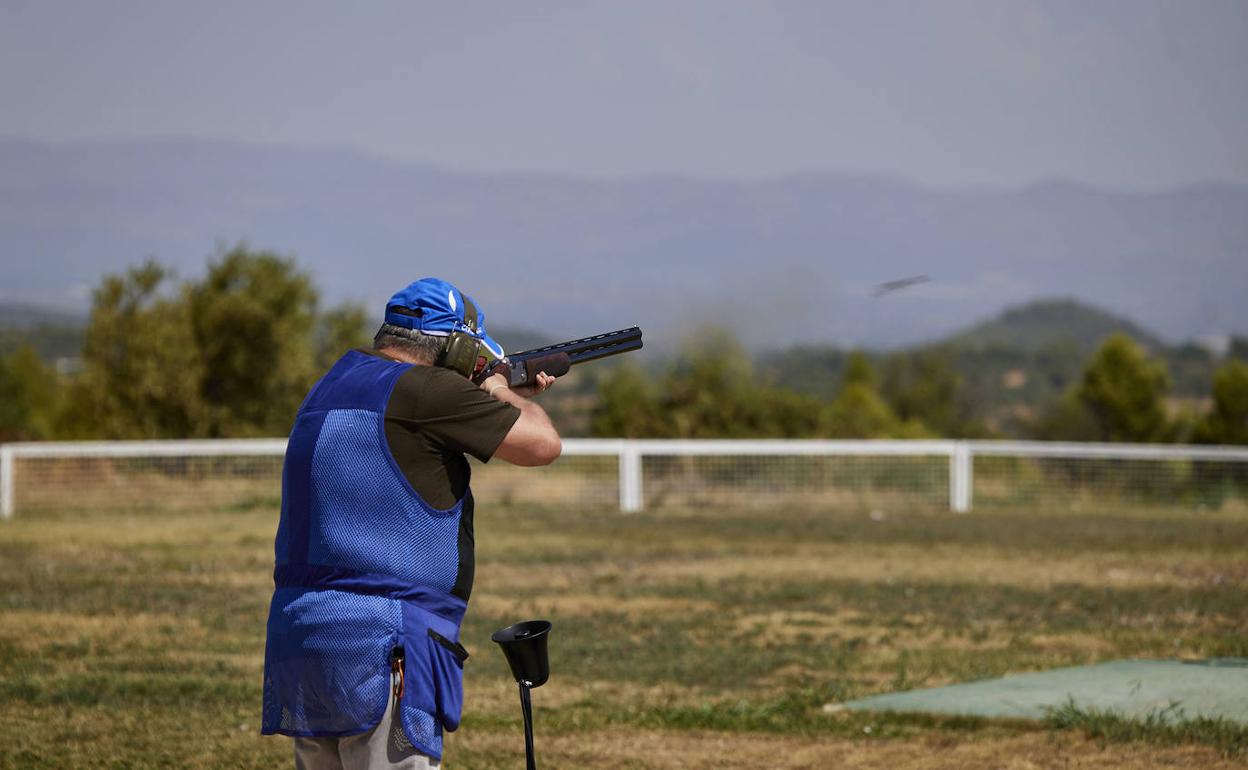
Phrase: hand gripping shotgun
(522, 368)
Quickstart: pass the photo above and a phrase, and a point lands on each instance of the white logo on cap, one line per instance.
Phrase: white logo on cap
(450, 297)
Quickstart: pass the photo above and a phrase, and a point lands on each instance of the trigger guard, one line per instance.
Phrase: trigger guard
(498, 367)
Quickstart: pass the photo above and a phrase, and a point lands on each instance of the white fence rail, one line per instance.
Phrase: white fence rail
(636, 474)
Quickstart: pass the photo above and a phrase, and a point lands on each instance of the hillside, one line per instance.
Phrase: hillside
(1050, 323)
(1008, 366)
(20, 315)
(52, 333)
(784, 261)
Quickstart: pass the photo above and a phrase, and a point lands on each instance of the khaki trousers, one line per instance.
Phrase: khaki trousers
(385, 746)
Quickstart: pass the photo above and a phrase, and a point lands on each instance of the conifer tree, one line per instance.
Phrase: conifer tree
(1125, 392)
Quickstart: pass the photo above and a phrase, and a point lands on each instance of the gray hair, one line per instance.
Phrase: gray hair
(425, 347)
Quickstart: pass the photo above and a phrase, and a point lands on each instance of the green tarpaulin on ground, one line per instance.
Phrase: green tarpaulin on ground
(1133, 688)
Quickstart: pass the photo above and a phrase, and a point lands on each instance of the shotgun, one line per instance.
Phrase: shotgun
(522, 368)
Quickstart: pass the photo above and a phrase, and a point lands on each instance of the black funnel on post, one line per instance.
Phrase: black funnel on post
(524, 645)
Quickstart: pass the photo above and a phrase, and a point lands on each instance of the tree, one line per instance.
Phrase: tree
(28, 396)
(705, 395)
(1227, 421)
(858, 370)
(229, 355)
(141, 366)
(1238, 349)
(923, 387)
(858, 410)
(1068, 418)
(341, 328)
(710, 393)
(252, 318)
(627, 405)
(1125, 390)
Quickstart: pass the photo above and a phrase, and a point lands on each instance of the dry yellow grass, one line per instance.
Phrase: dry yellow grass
(685, 639)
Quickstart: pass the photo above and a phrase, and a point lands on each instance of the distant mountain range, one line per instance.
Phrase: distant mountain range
(54, 334)
(20, 315)
(1041, 325)
(795, 259)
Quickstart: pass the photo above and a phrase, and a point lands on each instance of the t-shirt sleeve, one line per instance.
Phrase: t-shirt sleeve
(452, 410)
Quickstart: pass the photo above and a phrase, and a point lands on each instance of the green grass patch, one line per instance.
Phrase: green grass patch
(1165, 726)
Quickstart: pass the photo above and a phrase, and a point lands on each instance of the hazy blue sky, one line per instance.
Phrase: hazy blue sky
(1134, 94)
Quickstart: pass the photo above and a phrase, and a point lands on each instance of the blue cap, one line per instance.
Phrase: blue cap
(438, 308)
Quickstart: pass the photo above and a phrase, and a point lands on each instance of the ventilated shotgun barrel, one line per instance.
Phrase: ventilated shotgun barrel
(556, 359)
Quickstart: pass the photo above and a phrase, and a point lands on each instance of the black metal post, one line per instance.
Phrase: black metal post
(526, 706)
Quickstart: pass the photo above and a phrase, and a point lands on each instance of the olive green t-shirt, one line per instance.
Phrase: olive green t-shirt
(434, 417)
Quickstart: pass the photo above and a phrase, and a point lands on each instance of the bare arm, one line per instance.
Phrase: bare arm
(533, 439)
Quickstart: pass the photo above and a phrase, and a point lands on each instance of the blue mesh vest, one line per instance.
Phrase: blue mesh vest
(364, 566)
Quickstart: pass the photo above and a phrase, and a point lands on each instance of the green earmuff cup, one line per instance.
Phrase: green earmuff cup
(461, 353)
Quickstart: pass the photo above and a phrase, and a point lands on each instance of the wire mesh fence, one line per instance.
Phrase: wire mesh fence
(779, 481)
(590, 481)
(632, 475)
(1089, 483)
(142, 475)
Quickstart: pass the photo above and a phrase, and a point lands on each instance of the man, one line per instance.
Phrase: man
(363, 664)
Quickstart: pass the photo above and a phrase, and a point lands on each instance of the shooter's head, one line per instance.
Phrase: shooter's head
(438, 324)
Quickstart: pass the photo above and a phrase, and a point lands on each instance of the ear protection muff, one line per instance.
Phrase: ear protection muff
(463, 351)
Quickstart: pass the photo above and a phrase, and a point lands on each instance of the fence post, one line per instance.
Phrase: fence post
(6, 481)
(630, 477)
(960, 479)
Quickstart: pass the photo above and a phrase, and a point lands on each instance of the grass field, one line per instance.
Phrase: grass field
(683, 639)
